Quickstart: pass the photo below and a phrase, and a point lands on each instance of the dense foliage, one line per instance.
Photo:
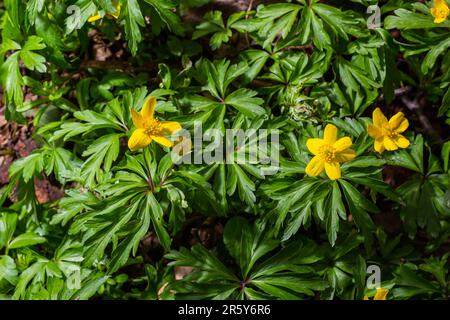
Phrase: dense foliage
(132, 224)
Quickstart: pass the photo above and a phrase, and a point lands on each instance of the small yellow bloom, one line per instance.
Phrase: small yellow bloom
(115, 15)
(440, 11)
(381, 294)
(328, 153)
(387, 134)
(148, 128)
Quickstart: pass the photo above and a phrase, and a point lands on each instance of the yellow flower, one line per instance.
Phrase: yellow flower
(440, 11)
(387, 134)
(115, 15)
(148, 128)
(329, 152)
(381, 294)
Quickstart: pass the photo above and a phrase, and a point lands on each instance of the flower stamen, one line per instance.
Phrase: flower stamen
(328, 153)
(153, 127)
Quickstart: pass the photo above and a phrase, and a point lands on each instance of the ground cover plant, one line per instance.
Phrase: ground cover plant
(348, 102)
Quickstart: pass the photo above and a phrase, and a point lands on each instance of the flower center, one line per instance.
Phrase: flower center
(389, 132)
(328, 153)
(153, 128)
(442, 12)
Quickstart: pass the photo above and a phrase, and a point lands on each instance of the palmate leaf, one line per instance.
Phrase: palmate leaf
(101, 154)
(60, 278)
(32, 60)
(244, 101)
(296, 71)
(236, 177)
(214, 24)
(130, 244)
(405, 19)
(53, 37)
(165, 16)
(57, 161)
(133, 20)
(217, 78)
(106, 223)
(246, 243)
(27, 167)
(72, 204)
(318, 16)
(298, 201)
(274, 19)
(132, 205)
(104, 150)
(411, 284)
(10, 75)
(360, 88)
(259, 277)
(434, 53)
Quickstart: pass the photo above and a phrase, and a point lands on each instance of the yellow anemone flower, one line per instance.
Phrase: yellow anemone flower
(387, 134)
(381, 294)
(328, 153)
(115, 15)
(148, 128)
(440, 11)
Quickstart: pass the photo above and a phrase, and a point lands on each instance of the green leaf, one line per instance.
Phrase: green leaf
(32, 60)
(432, 55)
(133, 19)
(11, 79)
(156, 215)
(26, 240)
(164, 10)
(8, 270)
(8, 222)
(244, 101)
(103, 151)
(405, 20)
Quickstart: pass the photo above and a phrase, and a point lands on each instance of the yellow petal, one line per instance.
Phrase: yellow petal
(439, 20)
(137, 119)
(315, 166)
(346, 155)
(314, 145)
(366, 298)
(401, 141)
(148, 110)
(379, 120)
(342, 144)
(379, 146)
(333, 170)
(138, 140)
(163, 141)
(330, 134)
(94, 18)
(374, 131)
(433, 11)
(381, 294)
(399, 123)
(389, 144)
(170, 127)
(117, 13)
